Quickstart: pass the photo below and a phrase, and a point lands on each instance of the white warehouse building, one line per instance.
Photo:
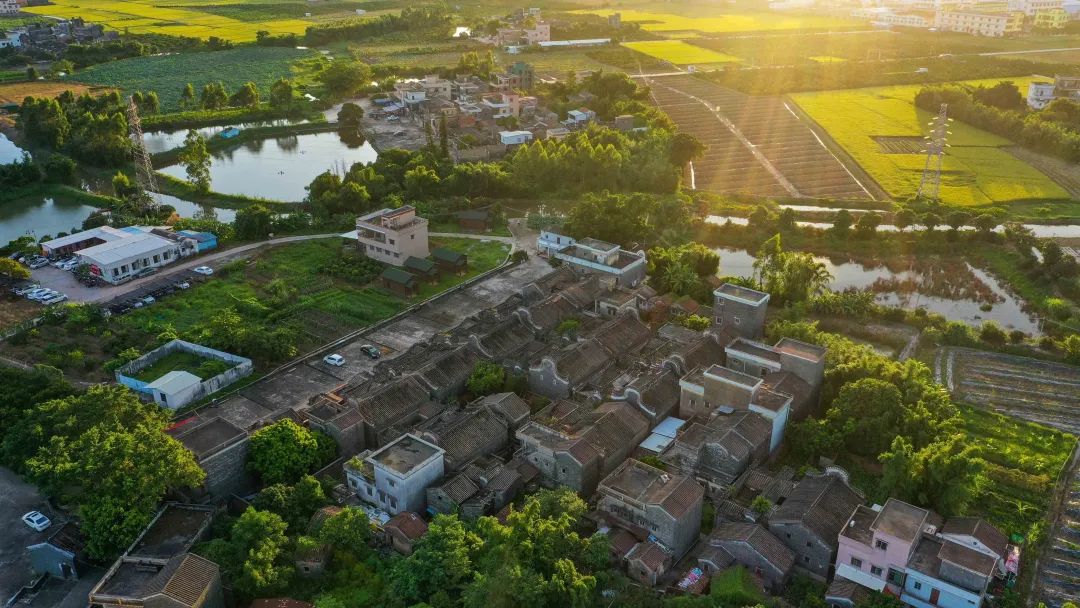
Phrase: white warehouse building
(120, 260)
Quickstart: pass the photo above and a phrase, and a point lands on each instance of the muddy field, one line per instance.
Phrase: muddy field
(756, 145)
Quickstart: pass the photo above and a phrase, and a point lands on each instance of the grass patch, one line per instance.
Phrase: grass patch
(976, 171)
(15, 92)
(203, 367)
(737, 584)
(168, 74)
(483, 256)
(679, 52)
(827, 59)
(1022, 462)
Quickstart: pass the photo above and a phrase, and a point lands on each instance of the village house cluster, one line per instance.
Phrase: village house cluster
(55, 36)
(992, 18)
(489, 117)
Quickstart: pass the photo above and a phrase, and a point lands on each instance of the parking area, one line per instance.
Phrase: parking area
(16, 498)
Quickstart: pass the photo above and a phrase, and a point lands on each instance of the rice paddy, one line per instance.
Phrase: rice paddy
(679, 52)
(725, 23)
(143, 17)
(977, 169)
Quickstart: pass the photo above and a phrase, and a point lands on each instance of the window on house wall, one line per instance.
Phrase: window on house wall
(875, 570)
(897, 577)
(918, 586)
(390, 482)
(881, 545)
(809, 544)
(856, 562)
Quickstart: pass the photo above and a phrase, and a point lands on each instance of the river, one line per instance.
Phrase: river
(163, 141)
(280, 169)
(9, 152)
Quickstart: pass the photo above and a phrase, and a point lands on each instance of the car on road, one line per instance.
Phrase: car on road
(72, 265)
(203, 270)
(335, 360)
(371, 351)
(55, 299)
(37, 521)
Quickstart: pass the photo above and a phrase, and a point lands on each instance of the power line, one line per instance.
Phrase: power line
(144, 171)
(936, 142)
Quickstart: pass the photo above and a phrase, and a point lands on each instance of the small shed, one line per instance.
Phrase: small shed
(174, 389)
(477, 220)
(206, 240)
(422, 268)
(61, 555)
(399, 282)
(450, 261)
(403, 530)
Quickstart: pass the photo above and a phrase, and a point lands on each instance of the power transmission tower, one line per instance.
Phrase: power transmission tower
(936, 142)
(144, 171)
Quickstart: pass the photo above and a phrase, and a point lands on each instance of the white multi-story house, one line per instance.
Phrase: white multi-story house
(9, 7)
(1042, 92)
(393, 235)
(395, 477)
(993, 24)
(1031, 7)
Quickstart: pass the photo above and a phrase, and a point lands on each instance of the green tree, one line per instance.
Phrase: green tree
(187, 97)
(442, 562)
(444, 137)
(247, 96)
(259, 543)
(12, 270)
(695, 322)
(868, 224)
(283, 452)
(348, 531)
(956, 220)
(680, 278)
(487, 377)
(350, 115)
(985, 224)
(872, 410)
(282, 93)
(122, 185)
(930, 221)
(904, 218)
(421, 182)
(344, 76)
(295, 504)
(842, 222)
(761, 506)
(214, 96)
(106, 451)
(253, 222)
(685, 148)
(196, 160)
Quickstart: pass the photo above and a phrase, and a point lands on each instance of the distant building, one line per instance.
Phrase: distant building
(515, 138)
(395, 477)
(9, 7)
(1051, 19)
(993, 24)
(178, 388)
(119, 255)
(1032, 8)
(392, 235)
(1041, 93)
(740, 310)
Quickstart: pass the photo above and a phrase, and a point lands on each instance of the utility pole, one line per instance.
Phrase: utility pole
(936, 142)
(144, 171)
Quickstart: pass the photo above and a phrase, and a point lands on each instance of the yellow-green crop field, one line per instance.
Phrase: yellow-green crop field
(143, 17)
(976, 170)
(827, 59)
(724, 24)
(679, 52)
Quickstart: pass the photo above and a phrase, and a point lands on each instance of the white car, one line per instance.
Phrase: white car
(29, 295)
(22, 291)
(55, 299)
(335, 360)
(204, 270)
(37, 521)
(44, 294)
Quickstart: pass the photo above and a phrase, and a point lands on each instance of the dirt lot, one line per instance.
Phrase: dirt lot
(16, 498)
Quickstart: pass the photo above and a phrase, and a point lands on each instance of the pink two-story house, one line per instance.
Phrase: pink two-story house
(875, 546)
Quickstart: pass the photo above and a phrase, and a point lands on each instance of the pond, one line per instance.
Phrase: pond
(40, 218)
(280, 169)
(954, 289)
(189, 209)
(1044, 231)
(9, 152)
(163, 141)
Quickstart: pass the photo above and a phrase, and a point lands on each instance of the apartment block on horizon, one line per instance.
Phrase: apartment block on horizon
(989, 23)
(393, 235)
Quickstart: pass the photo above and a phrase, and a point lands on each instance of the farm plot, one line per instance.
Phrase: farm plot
(977, 169)
(148, 17)
(679, 52)
(756, 145)
(167, 74)
(724, 23)
(16, 92)
(1038, 391)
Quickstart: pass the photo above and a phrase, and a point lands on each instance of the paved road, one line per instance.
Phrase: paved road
(16, 498)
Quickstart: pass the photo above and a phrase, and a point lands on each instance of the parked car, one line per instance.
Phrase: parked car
(36, 263)
(55, 300)
(148, 300)
(335, 360)
(203, 270)
(43, 294)
(145, 272)
(22, 291)
(371, 351)
(183, 285)
(37, 521)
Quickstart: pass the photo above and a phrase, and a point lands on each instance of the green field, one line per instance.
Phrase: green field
(718, 23)
(1022, 462)
(976, 171)
(679, 52)
(182, 361)
(169, 73)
